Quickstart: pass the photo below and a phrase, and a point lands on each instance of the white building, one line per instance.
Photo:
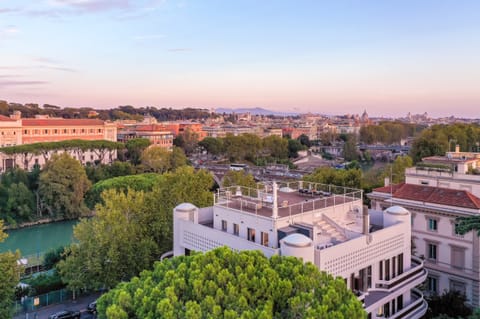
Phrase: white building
(322, 224)
(436, 192)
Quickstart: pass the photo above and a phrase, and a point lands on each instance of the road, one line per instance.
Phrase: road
(80, 305)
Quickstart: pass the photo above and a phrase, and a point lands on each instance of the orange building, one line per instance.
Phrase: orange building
(54, 129)
(179, 128)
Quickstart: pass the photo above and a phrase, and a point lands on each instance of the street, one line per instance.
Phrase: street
(79, 305)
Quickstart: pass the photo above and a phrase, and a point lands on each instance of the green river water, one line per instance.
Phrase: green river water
(40, 238)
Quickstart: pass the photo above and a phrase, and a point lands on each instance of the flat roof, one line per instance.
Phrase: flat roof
(289, 203)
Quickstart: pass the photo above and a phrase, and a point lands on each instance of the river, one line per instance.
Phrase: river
(39, 238)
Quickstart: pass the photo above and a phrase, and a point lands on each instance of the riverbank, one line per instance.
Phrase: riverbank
(43, 221)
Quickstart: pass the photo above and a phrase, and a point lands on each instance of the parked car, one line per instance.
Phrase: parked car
(65, 314)
(92, 307)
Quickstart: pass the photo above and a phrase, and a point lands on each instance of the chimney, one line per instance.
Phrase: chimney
(366, 220)
(457, 148)
(275, 201)
(387, 181)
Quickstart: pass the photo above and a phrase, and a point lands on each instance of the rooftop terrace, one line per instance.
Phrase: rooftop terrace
(285, 199)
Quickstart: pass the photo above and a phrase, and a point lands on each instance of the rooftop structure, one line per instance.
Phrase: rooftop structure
(323, 224)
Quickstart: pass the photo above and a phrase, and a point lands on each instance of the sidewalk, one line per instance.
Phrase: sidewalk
(80, 304)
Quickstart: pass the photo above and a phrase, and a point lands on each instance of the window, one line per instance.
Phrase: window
(65, 131)
(432, 251)
(369, 277)
(424, 182)
(387, 269)
(432, 284)
(400, 264)
(399, 302)
(394, 266)
(432, 224)
(25, 132)
(236, 229)
(224, 225)
(457, 257)
(264, 239)
(251, 234)
(380, 268)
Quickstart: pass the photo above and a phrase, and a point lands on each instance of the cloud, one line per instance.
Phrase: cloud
(92, 5)
(8, 31)
(148, 37)
(58, 68)
(179, 49)
(4, 83)
(7, 10)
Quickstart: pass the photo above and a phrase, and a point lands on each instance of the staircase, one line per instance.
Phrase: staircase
(328, 230)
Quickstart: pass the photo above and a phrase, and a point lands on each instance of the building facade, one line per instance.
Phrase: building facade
(17, 131)
(322, 224)
(438, 191)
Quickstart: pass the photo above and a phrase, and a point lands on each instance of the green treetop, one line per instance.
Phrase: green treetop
(226, 284)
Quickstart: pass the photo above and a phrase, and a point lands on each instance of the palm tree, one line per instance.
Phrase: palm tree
(466, 224)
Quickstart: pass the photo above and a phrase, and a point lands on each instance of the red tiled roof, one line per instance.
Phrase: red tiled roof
(435, 195)
(61, 122)
(6, 119)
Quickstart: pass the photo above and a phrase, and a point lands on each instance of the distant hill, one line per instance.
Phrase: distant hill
(253, 111)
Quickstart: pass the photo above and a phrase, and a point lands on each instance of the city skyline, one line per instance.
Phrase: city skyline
(390, 58)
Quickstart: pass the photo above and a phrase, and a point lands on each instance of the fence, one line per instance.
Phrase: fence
(36, 302)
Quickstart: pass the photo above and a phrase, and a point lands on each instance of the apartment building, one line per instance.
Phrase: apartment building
(323, 224)
(436, 192)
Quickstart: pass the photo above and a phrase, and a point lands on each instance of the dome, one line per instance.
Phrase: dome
(297, 240)
(397, 210)
(185, 207)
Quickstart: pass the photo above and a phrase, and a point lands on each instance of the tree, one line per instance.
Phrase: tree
(63, 184)
(350, 152)
(226, 284)
(239, 178)
(304, 140)
(156, 159)
(293, 147)
(275, 146)
(396, 171)
(450, 303)
(328, 175)
(9, 277)
(114, 245)
(177, 158)
(21, 202)
(131, 229)
(212, 145)
(135, 147)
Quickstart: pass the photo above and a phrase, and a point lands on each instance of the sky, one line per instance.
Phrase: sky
(332, 57)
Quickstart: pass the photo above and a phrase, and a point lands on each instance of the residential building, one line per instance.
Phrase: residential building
(322, 224)
(438, 191)
(10, 131)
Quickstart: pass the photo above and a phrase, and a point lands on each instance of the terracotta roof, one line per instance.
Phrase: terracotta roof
(6, 119)
(435, 195)
(60, 122)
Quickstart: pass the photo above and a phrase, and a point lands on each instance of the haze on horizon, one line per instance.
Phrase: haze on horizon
(333, 57)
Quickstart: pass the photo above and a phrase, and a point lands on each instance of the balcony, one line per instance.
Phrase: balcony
(412, 277)
(415, 310)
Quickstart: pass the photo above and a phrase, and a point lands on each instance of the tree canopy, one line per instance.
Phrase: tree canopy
(62, 185)
(131, 228)
(226, 284)
(438, 139)
(9, 277)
